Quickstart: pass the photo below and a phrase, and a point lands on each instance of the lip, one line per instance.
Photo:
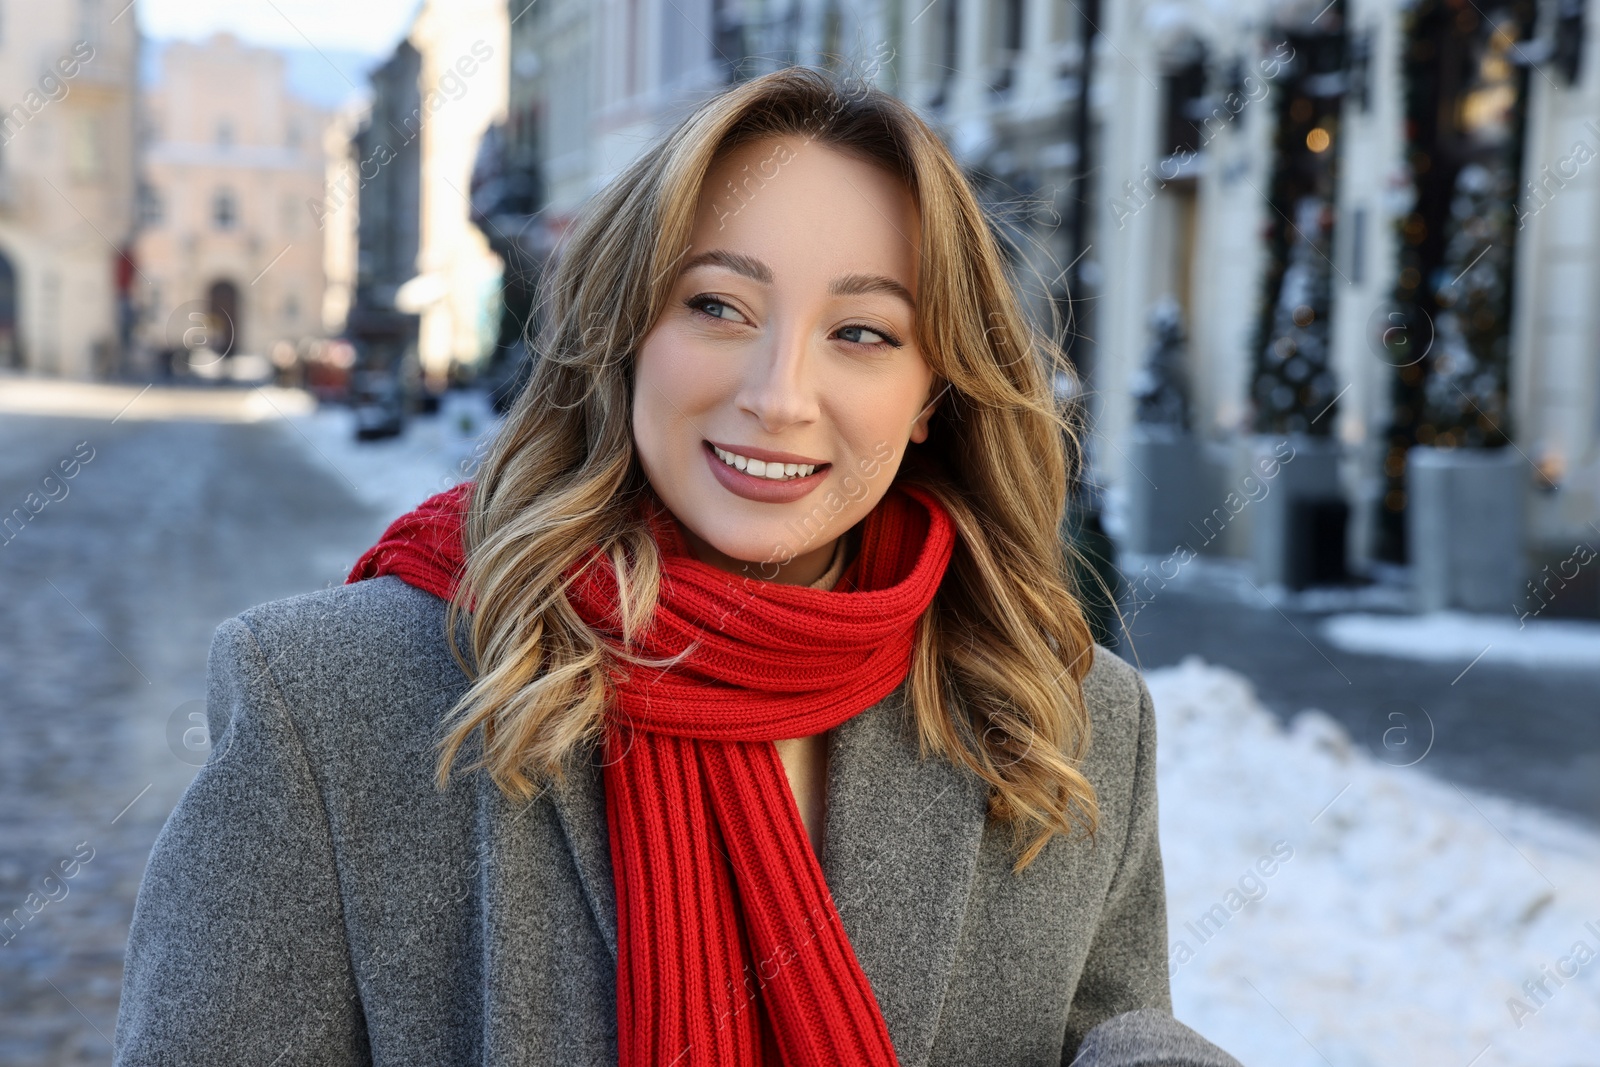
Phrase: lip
(766, 455)
(763, 490)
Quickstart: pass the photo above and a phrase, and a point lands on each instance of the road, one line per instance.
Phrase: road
(1528, 733)
(111, 592)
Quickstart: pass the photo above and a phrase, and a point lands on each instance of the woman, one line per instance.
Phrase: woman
(792, 743)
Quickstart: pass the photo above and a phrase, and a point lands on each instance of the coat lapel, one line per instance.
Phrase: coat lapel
(580, 804)
(900, 851)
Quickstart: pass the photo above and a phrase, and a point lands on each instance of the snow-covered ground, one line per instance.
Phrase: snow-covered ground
(1456, 637)
(1405, 920)
(395, 474)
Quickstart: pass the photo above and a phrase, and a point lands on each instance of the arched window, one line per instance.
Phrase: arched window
(222, 320)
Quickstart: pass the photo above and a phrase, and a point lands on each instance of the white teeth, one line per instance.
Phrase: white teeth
(762, 469)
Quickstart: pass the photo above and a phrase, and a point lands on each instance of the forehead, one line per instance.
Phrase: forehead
(810, 208)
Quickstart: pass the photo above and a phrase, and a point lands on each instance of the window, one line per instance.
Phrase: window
(224, 209)
(85, 154)
(150, 206)
(1184, 108)
(90, 18)
(1004, 44)
(224, 133)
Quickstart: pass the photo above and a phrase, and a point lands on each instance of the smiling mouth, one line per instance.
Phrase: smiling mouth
(772, 471)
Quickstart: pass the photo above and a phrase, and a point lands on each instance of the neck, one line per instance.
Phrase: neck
(803, 569)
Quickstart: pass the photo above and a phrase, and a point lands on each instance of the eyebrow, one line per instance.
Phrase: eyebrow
(855, 284)
(755, 270)
(738, 262)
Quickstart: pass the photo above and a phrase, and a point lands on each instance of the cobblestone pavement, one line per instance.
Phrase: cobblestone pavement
(110, 595)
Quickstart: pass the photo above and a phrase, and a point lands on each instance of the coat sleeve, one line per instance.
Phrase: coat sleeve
(1121, 1013)
(237, 952)
(1126, 968)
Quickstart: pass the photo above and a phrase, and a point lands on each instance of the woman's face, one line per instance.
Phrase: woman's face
(788, 337)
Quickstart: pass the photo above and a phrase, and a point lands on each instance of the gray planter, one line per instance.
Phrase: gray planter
(1163, 488)
(1465, 522)
(1282, 521)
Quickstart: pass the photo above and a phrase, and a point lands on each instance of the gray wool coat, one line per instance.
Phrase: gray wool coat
(314, 899)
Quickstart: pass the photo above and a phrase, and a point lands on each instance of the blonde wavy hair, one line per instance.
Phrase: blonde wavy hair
(1004, 647)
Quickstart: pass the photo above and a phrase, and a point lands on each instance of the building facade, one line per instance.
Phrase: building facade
(231, 251)
(1380, 225)
(462, 47)
(1367, 226)
(428, 280)
(68, 91)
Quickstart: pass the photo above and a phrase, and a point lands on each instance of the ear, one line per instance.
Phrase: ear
(919, 428)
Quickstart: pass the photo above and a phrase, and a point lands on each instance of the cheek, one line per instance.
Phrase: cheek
(675, 386)
(883, 410)
(650, 402)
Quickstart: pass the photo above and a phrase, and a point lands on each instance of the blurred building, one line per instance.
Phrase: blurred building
(232, 245)
(1365, 226)
(1347, 201)
(68, 87)
(381, 181)
(462, 48)
(427, 280)
(338, 215)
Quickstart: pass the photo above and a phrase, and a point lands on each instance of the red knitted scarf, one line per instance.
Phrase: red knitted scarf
(730, 950)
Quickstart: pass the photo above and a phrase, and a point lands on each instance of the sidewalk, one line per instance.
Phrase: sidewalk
(1425, 791)
(1521, 720)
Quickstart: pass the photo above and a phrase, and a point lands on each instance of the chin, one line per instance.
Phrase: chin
(762, 547)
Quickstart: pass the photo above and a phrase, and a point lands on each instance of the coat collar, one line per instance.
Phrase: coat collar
(900, 851)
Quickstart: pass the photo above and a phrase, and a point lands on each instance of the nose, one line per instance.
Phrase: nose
(779, 387)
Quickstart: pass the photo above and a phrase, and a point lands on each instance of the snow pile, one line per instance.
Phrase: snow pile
(1325, 908)
(395, 474)
(1448, 636)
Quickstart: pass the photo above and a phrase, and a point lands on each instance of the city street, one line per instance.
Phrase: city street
(168, 525)
(111, 593)
(1319, 289)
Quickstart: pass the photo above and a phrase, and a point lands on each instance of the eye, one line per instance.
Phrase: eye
(713, 308)
(882, 336)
